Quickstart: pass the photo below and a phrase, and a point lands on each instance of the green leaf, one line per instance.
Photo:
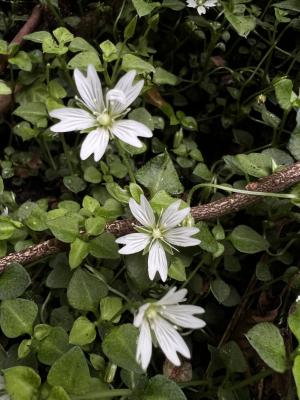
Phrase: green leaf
(74, 183)
(268, 342)
(220, 290)
(117, 192)
(65, 228)
(161, 388)
(296, 374)
(144, 8)
(13, 281)
(21, 60)
(109, 50)
(242, 24)
(175, 5)
(119, 345)
(164, 77)
(53, 346)
(79, 44)
(5, 89)
(130, 28)
(130, 61)
(255, 164)
(177, 270)
(247, 240)
(83, 332)
(283, 91)
(109, 307)
(17, 317)
(208, 242)
(58, 393)
(94, 225)
(92, 175)
(233, 357)
(71, 372)
(294, 320)
(83, 59)
(159, 174)
(292, 5)
(3, 47)
(63, 35)
(79, 249)
(85, 291)
(22, 383)
(25, 130)
(33, 112)
(294, 145)
(142, 115)
(104, 246)
(38, 37)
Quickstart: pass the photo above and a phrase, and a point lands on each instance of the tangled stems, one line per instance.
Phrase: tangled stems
(241, 191)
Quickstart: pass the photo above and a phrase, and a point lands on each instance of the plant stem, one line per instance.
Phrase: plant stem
(125, 160)
(66, 151)
(241, 191)
(105, 394)
(252, 379)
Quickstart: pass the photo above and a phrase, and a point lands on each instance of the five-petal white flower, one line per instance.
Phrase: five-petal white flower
(156, 236)
(103, 117)
(158, 323)
(201, 5)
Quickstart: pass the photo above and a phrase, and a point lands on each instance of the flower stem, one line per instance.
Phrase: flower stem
(125, 159)
(66, 151)
(251, 379)
(241, 191)
(105, 394)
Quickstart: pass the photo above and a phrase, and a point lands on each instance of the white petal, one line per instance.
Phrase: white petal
(134, 242)
(90, 88)
(131, 92)
(95, 143)
(210, 3)
(116, 95)
(157, 261)
(170, 341)
(128, 130)
(137, 127)
(191, 3)
(138, 318)
(72, 119)
(181, 236)
(182, 315)
(144, 346)
(172, 217)
(143, 213)
(173, 297)
(201, 10)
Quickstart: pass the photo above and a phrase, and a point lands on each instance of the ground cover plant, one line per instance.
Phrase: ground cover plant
(149, 199)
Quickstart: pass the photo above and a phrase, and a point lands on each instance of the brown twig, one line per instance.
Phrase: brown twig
(30, 25)
(276, 182)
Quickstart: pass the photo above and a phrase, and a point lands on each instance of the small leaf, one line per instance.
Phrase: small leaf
(294, 145)
(85, 291)
(5, 89)
(294, 320)
(21, 60)
(17, 317)
(130, 61)
(109, 307)
(164, 77)
(22, 383)
(53, 346)
(84, 59)
(159, 174)
(71, 372)
(104, 246)
(144, 8)
(83, 332)
(161, 388)
(283, 91)
(247, 240)
(296, 374)
(79, 249)
(268, 342)
(13, 281)
(220, 289)
(119, 345)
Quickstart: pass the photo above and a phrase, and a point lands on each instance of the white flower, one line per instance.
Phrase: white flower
(103, 117)
(159, 321)
(156, 236)
(3, 394)
(202, 5)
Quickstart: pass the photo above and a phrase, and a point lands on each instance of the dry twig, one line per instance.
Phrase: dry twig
(276, 182)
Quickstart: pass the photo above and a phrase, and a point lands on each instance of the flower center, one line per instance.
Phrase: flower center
(104, 119)
(156, 233)
(151, 313)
